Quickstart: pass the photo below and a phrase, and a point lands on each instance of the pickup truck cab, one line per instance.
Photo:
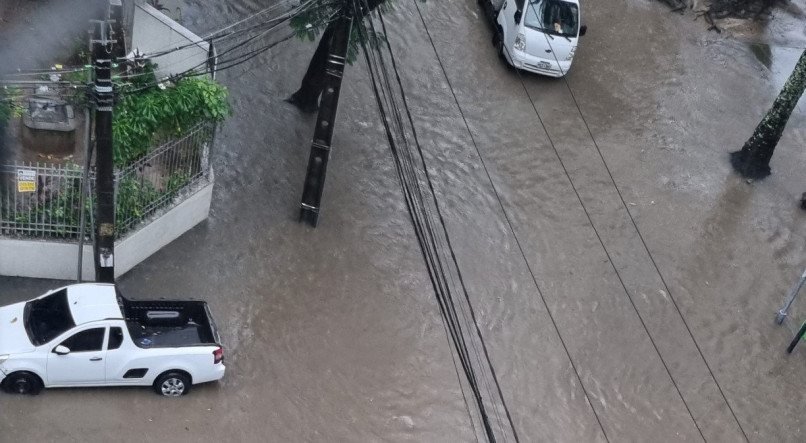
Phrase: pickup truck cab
(89, 335)
(538, 36)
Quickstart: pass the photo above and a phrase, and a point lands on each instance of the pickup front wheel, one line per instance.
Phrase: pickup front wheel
(172, 384)
(498, 43)
(22, 383)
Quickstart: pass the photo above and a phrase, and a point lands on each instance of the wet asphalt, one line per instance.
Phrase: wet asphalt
(624, 280)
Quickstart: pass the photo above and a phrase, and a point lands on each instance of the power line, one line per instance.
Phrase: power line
(447, 305)
(233, 62)
(450, 248)
(509, 224)
(596, 232)
(220, 33)
(256, 14)
(304, 7)
(422, 228)
(67, 70)
(643, 242)
(426, 233)
(280, 20)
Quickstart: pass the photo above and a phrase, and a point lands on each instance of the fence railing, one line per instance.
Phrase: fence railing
(39, 200)
(171, 170)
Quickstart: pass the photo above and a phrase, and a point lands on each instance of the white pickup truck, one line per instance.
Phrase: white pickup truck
(89, 335)
(539, 36)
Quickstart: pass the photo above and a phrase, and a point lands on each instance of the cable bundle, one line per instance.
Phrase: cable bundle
(457, 312)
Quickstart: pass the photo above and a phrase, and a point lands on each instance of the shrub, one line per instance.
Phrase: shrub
(145, 114)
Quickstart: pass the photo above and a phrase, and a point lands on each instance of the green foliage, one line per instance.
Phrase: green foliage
(80, 53)
(177, 181)
(309, 24)
(312, 22)
(5, 113)
(75, 95)
(374, 40)
(65, 208)
(62, 208)
(148, 112)
(83, 76)
(9, 107)
(133, 198)
(136, 196)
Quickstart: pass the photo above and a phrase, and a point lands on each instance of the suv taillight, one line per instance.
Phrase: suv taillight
(218, 355)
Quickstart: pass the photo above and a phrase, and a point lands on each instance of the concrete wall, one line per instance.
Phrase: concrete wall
(128, 21)
(153, 31)
(56, 260)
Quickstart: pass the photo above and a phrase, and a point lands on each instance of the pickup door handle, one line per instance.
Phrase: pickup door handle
(96, 359)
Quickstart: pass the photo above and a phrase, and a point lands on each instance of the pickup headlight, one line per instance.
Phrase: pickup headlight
(520, 42)
(571, 54)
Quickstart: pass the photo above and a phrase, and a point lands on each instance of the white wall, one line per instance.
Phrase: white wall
(57, 260)
(153, 31)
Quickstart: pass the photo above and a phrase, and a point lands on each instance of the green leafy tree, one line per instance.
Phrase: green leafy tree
(152, 112)
(753, 160)
(318, 20)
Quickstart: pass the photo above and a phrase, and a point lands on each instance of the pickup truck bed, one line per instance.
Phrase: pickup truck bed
(165, 324)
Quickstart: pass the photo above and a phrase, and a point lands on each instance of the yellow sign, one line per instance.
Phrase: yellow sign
(26, 180)
(26, 187)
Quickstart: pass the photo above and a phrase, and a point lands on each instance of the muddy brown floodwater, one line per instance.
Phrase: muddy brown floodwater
(623, 278)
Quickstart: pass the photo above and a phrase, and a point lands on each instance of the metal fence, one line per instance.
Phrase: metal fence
(165, 175)
(39, 200)
(792, 314)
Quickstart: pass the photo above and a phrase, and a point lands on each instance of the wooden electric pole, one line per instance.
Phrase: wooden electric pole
(104, 247)
(323, 132)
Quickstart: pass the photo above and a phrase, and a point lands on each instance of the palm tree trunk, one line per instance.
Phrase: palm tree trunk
(753, 161)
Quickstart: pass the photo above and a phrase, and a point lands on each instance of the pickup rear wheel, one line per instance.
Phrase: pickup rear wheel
(172, 384)
(24, 383)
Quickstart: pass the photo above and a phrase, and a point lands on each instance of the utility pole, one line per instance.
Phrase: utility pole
(85, 176)
(104, 248)
(323, 132)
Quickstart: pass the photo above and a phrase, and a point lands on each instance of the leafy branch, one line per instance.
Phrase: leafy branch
(143, 115)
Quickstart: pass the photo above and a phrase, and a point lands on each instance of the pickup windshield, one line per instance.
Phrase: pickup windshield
(48, 317)
(555, 17)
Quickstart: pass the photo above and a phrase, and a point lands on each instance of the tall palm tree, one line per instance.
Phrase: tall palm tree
(753, 161)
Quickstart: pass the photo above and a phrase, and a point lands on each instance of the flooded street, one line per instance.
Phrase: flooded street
(624, 280)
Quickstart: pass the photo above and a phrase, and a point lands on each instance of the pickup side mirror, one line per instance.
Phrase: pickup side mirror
(518, 16)
(582, 30)
(61, 350)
